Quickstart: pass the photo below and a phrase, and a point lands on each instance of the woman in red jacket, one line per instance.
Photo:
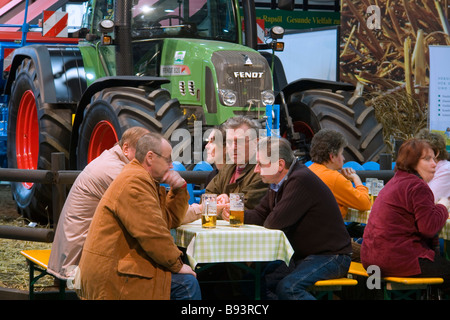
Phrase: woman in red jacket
(405, 220)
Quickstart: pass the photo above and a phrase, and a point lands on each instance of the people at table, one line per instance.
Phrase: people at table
(301, 205)
(129, 252)
(239, 176)
(440, 184)
(327, 147)
(82, 200)
(400, 234)
(215, 155)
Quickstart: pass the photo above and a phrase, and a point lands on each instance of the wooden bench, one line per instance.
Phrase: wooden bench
(325, 288)
(399, 287)
(38, 261)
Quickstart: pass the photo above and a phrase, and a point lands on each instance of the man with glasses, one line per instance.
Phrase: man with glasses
(82, 200)
(129, 252)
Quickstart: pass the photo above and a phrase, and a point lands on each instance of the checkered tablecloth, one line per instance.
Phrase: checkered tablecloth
(354, 215)
(248, 243)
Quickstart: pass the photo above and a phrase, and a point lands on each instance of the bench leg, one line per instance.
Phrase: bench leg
(34, 279)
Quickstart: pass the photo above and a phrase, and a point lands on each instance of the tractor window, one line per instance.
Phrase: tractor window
(203, 19)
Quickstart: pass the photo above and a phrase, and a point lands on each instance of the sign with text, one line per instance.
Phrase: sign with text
(298, 19)
(439, 97)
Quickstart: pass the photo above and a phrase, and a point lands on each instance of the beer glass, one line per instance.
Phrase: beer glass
(209, 210)
(377, 188)
(371, 184)
(236, 209)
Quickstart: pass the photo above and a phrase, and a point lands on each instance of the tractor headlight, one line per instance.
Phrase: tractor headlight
(267, 97)
(228, 97)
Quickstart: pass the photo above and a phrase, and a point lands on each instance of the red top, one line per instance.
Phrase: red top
(401, 226)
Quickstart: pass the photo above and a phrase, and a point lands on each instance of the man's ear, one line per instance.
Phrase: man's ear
(281, 165)
(126, 149)
(149, 158)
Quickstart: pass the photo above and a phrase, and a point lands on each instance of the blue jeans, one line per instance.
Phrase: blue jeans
(184, 287)
(291, 283)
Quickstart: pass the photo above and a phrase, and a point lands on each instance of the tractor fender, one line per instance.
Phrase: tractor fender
(41, 57)
(60, 72)
(308, 84)
(96, 86)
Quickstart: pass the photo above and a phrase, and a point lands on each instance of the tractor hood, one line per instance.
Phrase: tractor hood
(217, 66)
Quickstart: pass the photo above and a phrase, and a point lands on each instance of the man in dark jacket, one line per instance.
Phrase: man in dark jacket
(302, 206)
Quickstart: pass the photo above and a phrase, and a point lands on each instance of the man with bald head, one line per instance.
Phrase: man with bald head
(129, 252)
(82, 200)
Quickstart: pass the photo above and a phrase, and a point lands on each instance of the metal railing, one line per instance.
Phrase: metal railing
(58, 177)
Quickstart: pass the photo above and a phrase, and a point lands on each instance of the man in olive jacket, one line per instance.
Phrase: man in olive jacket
(129, 252)
(239, 177)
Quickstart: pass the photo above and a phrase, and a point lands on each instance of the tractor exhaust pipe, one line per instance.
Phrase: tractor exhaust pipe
(124, 58)
(251, 39)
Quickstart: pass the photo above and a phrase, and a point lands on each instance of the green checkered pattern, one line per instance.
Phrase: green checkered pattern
(354, 215)
(248, 243)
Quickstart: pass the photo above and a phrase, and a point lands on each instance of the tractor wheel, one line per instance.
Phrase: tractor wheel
(313, 110)
(114, 110)
(35, 131)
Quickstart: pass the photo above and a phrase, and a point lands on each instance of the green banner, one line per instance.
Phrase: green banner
(298, 19)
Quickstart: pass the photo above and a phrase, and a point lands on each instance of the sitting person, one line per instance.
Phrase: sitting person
(129, 251)
(405, 220)
(216, 155)
(302, 206)
(327, 147)
(239, 176)
(83, 198)
(440, 184)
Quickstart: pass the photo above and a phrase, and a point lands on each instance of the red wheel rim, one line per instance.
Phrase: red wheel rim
(27, 134)
(303, 127)
(103, 137)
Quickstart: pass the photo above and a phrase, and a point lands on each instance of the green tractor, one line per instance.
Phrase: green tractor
(163, 65)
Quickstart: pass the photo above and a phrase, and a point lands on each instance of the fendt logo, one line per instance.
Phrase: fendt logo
(248, 75)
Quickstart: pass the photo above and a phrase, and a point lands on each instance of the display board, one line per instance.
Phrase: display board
(439, 97)
(311, 54)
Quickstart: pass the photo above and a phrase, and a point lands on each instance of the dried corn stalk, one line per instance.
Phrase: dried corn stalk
(394, 58)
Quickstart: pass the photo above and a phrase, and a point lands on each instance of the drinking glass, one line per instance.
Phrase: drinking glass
(209, 210)
(236, 209)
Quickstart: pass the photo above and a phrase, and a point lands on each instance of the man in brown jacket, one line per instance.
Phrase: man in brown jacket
(129, 252)
(82, 200)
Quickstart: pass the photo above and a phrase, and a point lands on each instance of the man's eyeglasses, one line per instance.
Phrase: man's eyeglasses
(168, 160)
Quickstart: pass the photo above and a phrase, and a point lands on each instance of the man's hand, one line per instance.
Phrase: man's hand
(173, 179)
(226, 213)
(350, 174)
(186, 269)
(223, 199)
(223, 202)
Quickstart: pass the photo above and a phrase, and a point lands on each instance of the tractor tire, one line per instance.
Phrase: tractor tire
(312, 110)
(35, 131)
(114, 110)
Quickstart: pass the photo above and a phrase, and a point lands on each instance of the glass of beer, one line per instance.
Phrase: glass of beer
(209, 210)
(236, 209)
(371, 184)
